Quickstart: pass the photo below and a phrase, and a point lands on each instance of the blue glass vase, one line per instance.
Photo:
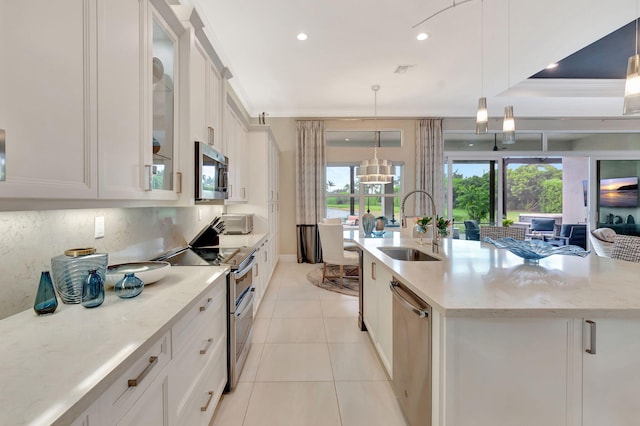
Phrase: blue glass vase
(129, 286)
(93, 290)
(46, 301)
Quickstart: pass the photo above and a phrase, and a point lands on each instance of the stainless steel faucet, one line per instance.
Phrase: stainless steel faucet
(434, 239)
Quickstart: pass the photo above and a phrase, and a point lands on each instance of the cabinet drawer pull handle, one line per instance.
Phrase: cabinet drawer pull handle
(206, 348)
(592, 337)
(206, 406)
(206, 305)
(373, 270)
(153, 360)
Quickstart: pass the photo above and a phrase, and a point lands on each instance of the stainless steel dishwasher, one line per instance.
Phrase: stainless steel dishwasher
(411, 354)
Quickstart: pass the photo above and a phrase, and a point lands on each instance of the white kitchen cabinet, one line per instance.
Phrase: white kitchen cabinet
(198, 372)
(121, 59)
(47, 106)
(505, 371)
(142, 388)
(90, 417)
(263, 270)
(235, 144)
(214, 108)
(378, 313)
(202, 89)
(611, 375)
(85, 131)
(152, 407)
(263, 169)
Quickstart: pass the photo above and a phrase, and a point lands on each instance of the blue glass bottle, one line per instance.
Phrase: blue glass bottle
(129, 286)
(93, 290)
(46, 301)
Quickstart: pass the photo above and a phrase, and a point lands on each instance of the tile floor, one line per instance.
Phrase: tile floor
(309, 363)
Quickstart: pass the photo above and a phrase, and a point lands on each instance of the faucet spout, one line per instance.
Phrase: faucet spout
(434, 239)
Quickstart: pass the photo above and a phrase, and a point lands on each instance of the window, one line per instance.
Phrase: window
(348, 199)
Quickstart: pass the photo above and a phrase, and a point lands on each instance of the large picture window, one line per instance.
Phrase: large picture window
(348, 199)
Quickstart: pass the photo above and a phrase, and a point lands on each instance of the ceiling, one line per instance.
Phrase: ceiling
(353, 45)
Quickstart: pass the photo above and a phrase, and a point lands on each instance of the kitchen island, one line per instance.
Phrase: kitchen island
(514, 343)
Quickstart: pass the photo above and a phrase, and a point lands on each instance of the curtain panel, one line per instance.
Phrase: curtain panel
(310, 188)
(429, 164)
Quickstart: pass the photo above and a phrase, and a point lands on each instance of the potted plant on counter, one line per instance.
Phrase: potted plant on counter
(443, 226)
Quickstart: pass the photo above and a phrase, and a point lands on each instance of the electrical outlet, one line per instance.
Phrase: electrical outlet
(99, 227)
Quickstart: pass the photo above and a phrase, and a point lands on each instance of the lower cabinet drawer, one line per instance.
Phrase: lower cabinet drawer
(203, 400)
(128, 388)
(199, 315)
(192, 360)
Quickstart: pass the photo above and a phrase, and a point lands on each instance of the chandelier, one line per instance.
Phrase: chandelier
(375, 170)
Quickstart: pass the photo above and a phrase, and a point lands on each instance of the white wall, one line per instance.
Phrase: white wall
(31, 238)
(574, 171)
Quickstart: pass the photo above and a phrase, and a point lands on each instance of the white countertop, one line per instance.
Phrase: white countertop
(56, 365)
(476, 279)
(248, 240)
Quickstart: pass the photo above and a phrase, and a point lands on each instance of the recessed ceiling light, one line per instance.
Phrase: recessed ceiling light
(301, 36)
(346, 139)
(552, 66)
(422, 36)
(470, 144)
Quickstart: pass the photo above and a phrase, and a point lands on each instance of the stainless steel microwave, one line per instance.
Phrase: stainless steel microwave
(211, 174)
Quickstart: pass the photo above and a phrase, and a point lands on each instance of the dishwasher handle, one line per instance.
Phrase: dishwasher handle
(421, 313)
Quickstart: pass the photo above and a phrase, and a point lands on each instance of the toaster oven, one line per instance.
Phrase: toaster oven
(238, 223)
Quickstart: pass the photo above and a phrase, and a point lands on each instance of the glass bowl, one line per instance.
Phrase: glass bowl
(534, 250)
(378, 234)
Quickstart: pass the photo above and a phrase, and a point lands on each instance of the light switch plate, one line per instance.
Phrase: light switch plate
(99, 228)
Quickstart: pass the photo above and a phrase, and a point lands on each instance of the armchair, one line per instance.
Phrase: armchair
(471, 230)
(543, 226)
(570, 234)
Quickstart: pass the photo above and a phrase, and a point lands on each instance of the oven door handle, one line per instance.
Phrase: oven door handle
(242, 273)
(246, 305)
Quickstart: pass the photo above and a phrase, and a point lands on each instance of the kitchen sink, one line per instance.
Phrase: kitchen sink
(408, 254)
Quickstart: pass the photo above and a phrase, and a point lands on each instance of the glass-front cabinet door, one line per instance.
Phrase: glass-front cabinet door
(164, 65)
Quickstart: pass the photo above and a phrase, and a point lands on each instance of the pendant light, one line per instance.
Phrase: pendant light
(374, 170)
(632, 84)
(482, 116)
(508, 122)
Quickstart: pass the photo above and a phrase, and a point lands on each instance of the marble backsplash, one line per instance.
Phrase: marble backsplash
(31, 238)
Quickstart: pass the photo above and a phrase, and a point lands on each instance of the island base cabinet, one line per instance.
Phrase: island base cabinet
(509, 371)
(378, 309)
(611, 375)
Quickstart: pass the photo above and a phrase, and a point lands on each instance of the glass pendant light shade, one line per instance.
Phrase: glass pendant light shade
(508, 126)
(482, 117)
(632, 87)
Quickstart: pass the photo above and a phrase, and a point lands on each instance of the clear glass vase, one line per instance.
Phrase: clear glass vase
(128, 286)
(93, 290)
(46, 301)
(420, 229)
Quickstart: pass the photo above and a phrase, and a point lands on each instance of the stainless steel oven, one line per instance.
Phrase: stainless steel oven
(241, 295)
(202, 251)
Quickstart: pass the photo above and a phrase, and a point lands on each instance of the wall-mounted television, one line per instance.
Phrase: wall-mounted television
(619, 192)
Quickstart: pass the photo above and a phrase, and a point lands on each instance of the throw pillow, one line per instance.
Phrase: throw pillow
(605, 234)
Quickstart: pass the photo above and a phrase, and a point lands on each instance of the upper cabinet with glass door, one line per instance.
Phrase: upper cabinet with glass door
(136, 53)
(163, 112)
